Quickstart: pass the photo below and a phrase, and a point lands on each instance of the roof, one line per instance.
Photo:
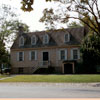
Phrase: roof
(56, 38)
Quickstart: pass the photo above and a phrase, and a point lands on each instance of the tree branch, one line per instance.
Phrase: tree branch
(86, 24)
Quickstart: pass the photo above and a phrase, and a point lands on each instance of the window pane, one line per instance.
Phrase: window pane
(33, 55)
(20, 70)
(45, 38)
(21, 42)
(66, 37)
(75, 54)
(20, 56)
(33, 40)
(62, 54)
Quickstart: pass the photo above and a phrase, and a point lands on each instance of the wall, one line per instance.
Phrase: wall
(29, 65)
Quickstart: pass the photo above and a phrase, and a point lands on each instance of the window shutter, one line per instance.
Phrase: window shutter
(71, 54)
(30, 55)
(17, 56)
(35, 55)
(78, 54)
(59, 55)
(23, 56)
(65, 54)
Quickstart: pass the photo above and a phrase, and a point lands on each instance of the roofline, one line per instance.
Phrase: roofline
(55, 30)
(38, 48)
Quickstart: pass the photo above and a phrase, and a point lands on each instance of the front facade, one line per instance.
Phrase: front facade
(59, 49)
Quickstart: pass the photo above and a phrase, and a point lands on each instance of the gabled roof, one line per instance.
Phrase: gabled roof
(56, 38)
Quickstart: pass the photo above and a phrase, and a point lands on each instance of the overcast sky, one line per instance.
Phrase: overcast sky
(30, 18)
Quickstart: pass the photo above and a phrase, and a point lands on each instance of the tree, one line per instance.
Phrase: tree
(9, 23)
(91, 53)
(48, 18)
(88, 12)
(4, 58)
(8, 26)
(74, 24)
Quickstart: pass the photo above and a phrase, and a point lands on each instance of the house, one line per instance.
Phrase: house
(58, 49)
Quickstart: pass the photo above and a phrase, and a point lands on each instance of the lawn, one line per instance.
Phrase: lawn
(54, 78)
(2, 76)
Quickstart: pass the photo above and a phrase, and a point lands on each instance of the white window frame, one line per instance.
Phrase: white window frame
(68, 37)
(34, 36)
(22, 56)
(65, 54)
(78, 52)
(21, 44)
(30, 55)
(44, 37)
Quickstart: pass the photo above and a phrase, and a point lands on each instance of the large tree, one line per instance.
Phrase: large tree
(9, 23)
(88, 12)
(91, 53)
(8, 26)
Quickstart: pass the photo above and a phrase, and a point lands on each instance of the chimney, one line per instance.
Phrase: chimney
(20, 30)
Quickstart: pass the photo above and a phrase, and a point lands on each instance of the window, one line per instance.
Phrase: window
(32, 55)
(21, 41)
(20, 70)
(33, 40)
(20, 56)
(67, 37)
(45, 39)
(75, 54)
(63, 54)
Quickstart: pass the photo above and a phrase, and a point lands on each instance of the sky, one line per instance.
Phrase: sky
(30, 18)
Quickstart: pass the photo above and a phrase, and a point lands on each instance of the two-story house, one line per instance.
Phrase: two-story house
(59, 49)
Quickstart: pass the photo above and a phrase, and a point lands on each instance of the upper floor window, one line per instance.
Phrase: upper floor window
(75, 54)
(33, 40)
(21, 41)
(45, 39)
(67, 37)
(20, 56)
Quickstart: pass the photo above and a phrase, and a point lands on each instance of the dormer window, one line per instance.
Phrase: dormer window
(33, 40)
(67, 37)
(21, 41)
(45, 39)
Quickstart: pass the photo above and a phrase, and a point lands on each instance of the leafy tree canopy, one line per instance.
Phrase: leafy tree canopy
(91, 53)
(88, 12)
(74, 24)
(9, 23)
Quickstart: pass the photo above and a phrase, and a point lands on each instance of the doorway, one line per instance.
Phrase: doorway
(45, 56)
(68, 68)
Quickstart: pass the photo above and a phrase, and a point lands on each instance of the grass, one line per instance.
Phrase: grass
(2, 76)
(54, 78)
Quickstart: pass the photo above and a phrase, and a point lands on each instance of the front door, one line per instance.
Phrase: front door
(45, 56)
(68, 69)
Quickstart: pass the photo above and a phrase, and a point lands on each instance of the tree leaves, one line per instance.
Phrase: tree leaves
(91, 52)
(27, 5)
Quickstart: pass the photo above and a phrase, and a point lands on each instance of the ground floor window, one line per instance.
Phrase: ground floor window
(20, 70)
(20, 56)
(33, 55)
(63, 54)
(75, 54)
